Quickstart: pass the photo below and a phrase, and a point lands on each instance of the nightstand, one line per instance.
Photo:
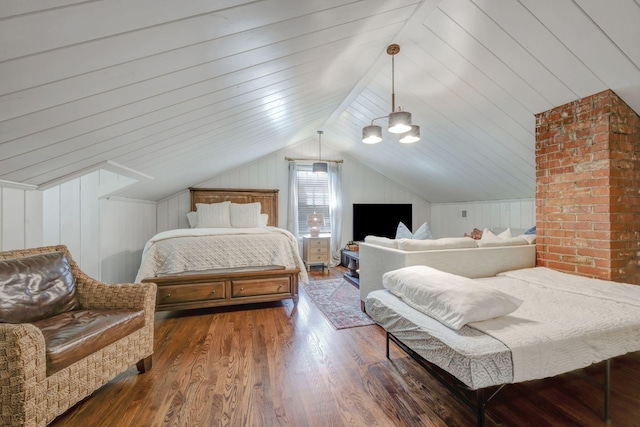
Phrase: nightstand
(316, 250)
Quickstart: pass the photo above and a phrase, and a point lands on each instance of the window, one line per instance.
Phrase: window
(313, 197)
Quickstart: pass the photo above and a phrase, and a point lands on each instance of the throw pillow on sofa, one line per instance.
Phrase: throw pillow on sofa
(403, 232)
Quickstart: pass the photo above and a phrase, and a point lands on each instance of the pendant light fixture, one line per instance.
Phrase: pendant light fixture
(319, 166)
(399, 121)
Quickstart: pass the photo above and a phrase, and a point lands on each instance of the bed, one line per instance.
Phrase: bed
(563, 323)
(228, 238)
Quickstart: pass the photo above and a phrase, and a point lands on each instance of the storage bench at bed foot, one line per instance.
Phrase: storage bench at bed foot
(220, 287)
(250, 288)
(176, 294)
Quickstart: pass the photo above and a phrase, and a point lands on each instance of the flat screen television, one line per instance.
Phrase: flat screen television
(379, 219)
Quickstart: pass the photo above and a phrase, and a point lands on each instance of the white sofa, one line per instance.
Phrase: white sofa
(458, 255)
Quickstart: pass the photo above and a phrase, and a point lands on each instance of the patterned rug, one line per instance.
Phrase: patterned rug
(339, 301)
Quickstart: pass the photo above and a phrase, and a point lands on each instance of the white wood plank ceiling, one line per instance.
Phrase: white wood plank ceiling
(183, 91)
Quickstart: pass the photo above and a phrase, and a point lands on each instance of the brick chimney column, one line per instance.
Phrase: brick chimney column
(588, 188)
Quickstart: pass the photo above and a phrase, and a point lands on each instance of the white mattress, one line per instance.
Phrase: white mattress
(175, 251)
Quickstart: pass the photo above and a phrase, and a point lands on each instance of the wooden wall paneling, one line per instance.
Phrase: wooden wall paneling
(162, 212)
(70, 218)
(51, 216)
(125, 228)
(13, 214)
(33, 221)
(174, 210)
(90, 223)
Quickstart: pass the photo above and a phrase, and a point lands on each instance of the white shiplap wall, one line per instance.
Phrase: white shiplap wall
(359, 185)
(447, 220)
(20, 218)
(105, 237)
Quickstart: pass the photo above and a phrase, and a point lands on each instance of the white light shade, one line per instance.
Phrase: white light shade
(412, 136)
(399, 122)
(319, 167)
(371, 134)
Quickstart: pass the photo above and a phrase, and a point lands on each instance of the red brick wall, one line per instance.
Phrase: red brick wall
(588, 188)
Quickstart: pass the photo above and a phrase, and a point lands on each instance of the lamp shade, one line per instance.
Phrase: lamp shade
(412, 136)
(319, 167)
(371, 134)
(399, 122)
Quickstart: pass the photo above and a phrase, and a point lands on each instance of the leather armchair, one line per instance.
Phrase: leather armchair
(39, 381)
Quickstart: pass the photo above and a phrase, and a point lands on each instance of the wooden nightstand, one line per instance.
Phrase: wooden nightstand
(316, 250)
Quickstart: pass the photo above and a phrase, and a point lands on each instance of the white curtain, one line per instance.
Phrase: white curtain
(292, 217)
(335, 191)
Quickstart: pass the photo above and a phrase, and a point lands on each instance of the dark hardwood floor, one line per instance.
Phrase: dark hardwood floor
(275, 364)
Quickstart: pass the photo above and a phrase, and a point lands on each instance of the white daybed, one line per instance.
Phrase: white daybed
(564, 323)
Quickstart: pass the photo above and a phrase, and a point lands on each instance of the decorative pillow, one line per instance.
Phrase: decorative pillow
(214, 215)
(264, 220)
(437, 244)
(36, 287)
(452, 300)
(192, 217)
(488, 234)
(381, 241)
(245, 215)
(532, 230)
(530, 238)
(403, 232)
(506, 234)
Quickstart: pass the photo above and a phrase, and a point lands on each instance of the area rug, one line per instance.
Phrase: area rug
(339, 301)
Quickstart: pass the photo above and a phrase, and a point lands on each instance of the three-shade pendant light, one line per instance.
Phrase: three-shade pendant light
(399, 121)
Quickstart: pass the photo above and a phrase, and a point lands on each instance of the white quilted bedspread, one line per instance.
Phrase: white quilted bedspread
(196, 249)
(565, 323)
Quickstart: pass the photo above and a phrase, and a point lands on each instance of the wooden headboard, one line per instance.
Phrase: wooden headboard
(267, 198)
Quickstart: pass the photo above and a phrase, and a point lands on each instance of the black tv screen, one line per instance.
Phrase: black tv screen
(379, 219)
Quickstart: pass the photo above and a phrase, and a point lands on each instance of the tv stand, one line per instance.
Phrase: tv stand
(353, 275)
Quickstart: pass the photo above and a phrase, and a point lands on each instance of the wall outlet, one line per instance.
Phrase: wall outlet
(464, 214)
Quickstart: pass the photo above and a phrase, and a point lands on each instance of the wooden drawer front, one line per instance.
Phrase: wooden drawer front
(318, 257)
(318, 245)
(172, 294)
(249, 288)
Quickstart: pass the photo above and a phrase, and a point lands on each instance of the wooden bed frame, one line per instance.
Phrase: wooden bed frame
(267, 198)
(222, 287)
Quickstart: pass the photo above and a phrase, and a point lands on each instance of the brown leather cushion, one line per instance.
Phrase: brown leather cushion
(35, 287)
(74, 335)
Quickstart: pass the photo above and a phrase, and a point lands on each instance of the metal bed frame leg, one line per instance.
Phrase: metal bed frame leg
(480, 405)
(607, 391)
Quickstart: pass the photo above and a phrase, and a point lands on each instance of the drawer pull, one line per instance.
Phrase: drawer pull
(167, 296)
(242, 289)
(213, 291)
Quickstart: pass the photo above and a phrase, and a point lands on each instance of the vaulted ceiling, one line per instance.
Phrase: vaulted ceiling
(184, 90)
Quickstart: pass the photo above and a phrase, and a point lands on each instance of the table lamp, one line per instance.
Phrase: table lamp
(314, 221)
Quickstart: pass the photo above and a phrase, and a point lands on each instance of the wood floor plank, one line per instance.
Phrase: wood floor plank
(280, 364)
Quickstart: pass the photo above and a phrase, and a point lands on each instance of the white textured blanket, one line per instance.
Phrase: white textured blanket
(566, 322)
(196, 249)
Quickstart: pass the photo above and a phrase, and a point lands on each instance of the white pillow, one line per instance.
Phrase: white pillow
(264, 220)
(192, 217)
(530, 238)
(452, 300)
(488, 235)
(506, 234)
(213, 215)
(437, 244)
(245, 215)
(403, 232)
